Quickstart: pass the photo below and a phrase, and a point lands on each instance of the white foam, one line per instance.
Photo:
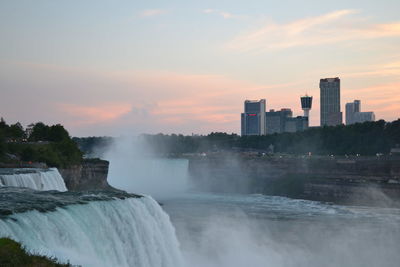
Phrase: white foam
(37, 179)
(130, 232)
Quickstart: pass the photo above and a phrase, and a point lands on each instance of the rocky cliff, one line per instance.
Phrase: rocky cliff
(347, 180)
(91, 174)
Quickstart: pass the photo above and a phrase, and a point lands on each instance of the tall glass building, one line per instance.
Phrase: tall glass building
(330, 102)
(253, 118)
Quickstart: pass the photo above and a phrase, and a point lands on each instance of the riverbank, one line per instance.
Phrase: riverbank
(345, 180)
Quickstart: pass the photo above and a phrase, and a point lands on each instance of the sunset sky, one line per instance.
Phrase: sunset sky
(128, 67)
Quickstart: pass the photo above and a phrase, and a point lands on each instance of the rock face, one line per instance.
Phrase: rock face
(91, 174)
(346, 180)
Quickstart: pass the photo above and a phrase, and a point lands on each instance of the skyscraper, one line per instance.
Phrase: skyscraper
(253, 118)
(330, 102)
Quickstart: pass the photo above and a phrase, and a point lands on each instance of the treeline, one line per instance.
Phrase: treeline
(38, 143)
(367, 138)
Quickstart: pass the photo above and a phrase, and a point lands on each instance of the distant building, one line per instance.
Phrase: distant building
(29, 130)
(360, 117)
(283, 121)
(253, 118)
(351, 108)
(354, 114)
(297, 124)
(330, 102)
(275, 121)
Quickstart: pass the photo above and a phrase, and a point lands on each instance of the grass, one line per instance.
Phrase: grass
(13, 254)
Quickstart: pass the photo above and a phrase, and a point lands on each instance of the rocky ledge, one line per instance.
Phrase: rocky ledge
(361, 181)
(91, 174)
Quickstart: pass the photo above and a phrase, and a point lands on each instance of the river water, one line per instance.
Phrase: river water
(232, 230)
(255, 230)
(207, 230)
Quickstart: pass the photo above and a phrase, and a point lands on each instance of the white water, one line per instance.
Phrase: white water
(230, 230)
(130, 232)
(39, 180)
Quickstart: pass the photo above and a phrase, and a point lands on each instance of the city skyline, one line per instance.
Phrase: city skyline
(180, 67)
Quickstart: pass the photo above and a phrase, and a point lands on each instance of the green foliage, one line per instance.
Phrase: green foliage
(13, 131)
(16, 131)
(54, 133)
(40, 132)
(49, 144)
(366, 138)
(2, 144)
(68, 151)
(29, 154)
(13, 254)
(57, 133)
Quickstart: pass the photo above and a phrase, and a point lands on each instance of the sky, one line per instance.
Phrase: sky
(103, 67)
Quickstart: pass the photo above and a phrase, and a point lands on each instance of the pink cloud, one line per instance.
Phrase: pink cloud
(152, 12)
(171, 102)
(95, 114)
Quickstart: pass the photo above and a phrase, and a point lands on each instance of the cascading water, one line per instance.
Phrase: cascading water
(121, 232)
(38, 179)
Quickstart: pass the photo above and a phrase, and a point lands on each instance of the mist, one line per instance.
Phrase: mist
(238, 228)
(135, 167)
(259, 231)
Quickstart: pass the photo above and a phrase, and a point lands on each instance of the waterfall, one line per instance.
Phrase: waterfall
(37, 179)
(128, 232)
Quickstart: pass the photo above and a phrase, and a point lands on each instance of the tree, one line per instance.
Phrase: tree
(57, 133)
(28, 154)
(2, 144)
(40, 132)
(16, 131)
(3, 124)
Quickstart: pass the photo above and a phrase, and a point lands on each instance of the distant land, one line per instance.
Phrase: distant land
(362, 139)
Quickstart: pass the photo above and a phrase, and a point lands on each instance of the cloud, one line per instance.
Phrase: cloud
(98, 103)
(95, 114)
(152, 13)
(386, 69)
(334, 27)
(223, 14)
(209, 10)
